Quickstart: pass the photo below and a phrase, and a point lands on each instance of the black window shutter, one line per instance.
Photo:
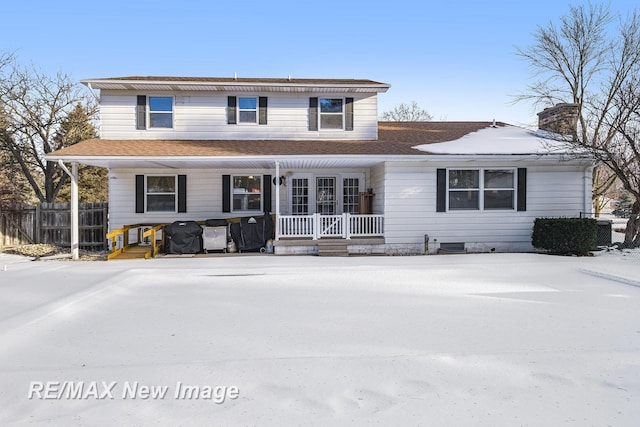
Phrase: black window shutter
(441, 190)
(313, 113)
(262, 115)
(522, 189)
(141, 112)
(266, 193)
(231, 110)
(182, 193)
(139, 193)
(348, 118)
(226, 193)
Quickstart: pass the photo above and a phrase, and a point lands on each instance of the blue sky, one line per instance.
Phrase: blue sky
(456, 59)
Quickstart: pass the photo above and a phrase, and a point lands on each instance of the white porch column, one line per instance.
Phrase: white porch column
(73, 175)
(277, 200)
(75, 232)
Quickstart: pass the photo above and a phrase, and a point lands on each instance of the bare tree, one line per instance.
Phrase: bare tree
(32, 107)
(587, 62)
(604, 180)
(407, 113)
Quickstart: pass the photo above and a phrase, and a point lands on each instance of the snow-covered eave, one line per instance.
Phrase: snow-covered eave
(506, 141)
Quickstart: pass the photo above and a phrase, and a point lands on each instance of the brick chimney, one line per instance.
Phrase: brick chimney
(561, 119)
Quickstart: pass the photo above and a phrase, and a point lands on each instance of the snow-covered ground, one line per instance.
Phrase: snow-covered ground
(459, 340)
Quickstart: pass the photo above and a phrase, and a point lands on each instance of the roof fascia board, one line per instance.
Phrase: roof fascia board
(224, 86)
(379, 158)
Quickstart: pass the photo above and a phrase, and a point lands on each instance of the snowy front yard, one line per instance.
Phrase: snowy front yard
(464, 340)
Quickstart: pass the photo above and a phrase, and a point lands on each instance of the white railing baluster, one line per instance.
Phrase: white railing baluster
(316, 226)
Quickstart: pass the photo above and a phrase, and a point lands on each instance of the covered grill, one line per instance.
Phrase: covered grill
(183, 237)
(251, 234)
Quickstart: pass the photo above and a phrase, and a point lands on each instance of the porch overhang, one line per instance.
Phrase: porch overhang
(226, 162)
(298, 162)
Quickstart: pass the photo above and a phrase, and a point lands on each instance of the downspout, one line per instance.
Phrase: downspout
(277, 199)
(92, 92)
(75, 247)
(588, 190)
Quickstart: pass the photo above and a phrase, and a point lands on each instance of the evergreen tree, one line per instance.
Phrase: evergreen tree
(92, 180)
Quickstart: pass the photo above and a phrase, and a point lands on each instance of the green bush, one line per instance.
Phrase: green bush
(565, 235)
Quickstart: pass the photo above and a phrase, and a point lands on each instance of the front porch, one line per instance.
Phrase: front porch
(316, 234)
(329, 235)
(317, 226)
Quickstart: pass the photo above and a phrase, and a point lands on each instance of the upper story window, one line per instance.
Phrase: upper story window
(481, 189)
(154, 112)
(331, 113)
(160, 112)
(247, 110)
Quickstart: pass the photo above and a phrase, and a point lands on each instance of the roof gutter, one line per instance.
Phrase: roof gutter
(374, 157)
(225, 85)
(95, 95)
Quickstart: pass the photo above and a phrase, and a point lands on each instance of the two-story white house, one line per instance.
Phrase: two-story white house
(312, 152)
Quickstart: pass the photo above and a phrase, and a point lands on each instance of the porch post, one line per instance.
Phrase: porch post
(73, 175)
(75, 247)
(277, 199)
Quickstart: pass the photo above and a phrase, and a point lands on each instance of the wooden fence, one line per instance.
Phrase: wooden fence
(51, 223)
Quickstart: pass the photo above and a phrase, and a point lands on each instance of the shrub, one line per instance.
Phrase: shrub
(565, 235)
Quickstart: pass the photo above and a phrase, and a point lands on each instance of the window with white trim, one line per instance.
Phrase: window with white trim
(329, 194)
(350, 195)
(481, 189)
(499, 186)
(161, 112)
(247, 193)
(160, 193)
(299, 196)
(331, 113)
(248, 110)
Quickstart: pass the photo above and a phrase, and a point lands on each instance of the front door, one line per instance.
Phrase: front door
(326, 196)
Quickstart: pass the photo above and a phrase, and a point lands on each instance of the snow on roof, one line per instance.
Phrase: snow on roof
(500, 140)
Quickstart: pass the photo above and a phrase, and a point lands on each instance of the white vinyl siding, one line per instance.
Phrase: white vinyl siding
(204, 116)
(204, 193)
(410, 207)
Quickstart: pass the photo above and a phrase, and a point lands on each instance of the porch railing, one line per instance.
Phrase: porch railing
(343, 226)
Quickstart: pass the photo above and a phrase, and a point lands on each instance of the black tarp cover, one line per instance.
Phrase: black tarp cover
(183, 237)
(252, 233)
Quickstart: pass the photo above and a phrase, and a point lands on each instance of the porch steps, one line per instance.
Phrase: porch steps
(332, 247)
(133, 252)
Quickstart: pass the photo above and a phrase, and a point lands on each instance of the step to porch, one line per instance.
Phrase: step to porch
(332, 248)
